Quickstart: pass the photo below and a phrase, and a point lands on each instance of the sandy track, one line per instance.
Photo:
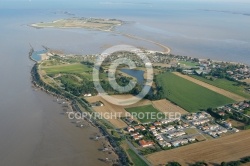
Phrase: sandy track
(212, 88)
(166, 106)
(166, 49)
(228, 148)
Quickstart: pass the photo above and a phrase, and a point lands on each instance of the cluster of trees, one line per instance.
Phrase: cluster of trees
(157, 92)
(71, 85)
(76, 87)
(218, 72)
(199, 163)
(150, 150)
(124, 54)
(233, 115)
(240, 117)
(244, 160)
(222, 73)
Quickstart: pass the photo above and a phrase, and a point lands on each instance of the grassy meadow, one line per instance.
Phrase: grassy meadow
(225, 84)
(187, 63)
(189, 95)
(75, 68)
(135, 158)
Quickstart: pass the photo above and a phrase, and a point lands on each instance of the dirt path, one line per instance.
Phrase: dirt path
(212, 88)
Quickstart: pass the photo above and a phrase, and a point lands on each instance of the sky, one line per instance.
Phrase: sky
(17, 4)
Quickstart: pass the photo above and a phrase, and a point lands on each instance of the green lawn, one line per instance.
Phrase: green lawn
(227, 85)
(76, 68)
(135, 158)
(248, 112)
(187, 63)
(189, 95)
(142, 113)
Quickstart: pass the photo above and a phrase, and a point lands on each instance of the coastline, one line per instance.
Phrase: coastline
(73, 102)
(30, 54)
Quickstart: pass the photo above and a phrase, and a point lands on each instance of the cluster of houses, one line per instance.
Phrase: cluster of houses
(176, 134)
(226, 124)
(134, 132)
(146, 144)
(171, 132)
(202, 67)
(199, 118)
(239, 107)
(213, 130)
(200, 122)
(240, 73)
(136, 136)
(183, 141)
(203, 121)
(164, 144)
(161, 131)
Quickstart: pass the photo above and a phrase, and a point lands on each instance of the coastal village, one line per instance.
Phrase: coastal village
(146, 138)
(173, 133)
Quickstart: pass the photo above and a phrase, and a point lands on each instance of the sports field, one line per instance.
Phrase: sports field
(188, 95)
(143, 113)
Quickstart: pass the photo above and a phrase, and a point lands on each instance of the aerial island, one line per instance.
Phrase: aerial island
(212, 97)
(87, 23)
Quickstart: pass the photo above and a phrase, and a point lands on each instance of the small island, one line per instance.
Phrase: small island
(86, 23)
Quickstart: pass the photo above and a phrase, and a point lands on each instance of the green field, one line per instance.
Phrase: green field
(187, 63)
(75, 68)
(135, 158)
(144, 111)
(189, 95)
(225, 84)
